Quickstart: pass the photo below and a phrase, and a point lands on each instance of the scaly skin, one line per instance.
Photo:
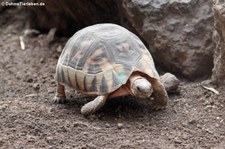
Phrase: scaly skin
(94, 105)
(60, 96)
(160, 95)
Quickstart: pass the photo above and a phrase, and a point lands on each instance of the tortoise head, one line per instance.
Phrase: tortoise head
(141, 88)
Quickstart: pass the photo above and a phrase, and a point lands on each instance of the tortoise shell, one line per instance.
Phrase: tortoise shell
(100, 58)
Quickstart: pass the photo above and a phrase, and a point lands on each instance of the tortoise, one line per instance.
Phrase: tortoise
(106, 60)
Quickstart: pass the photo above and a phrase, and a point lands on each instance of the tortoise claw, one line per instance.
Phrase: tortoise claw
(59, 99)
(158, 107)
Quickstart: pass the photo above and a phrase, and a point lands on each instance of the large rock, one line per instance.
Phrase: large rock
(68, 16)
(218, 76)
(178, 32)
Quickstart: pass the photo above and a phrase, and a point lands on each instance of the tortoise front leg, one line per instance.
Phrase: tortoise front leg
(160, 96)
(60, 96)
(94, 105)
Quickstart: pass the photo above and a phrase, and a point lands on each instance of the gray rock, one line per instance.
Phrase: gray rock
(68, 16)
(170, 82)
(218, 76)
(178, 32)
(30, 32)
(119, 125)
(36, 86)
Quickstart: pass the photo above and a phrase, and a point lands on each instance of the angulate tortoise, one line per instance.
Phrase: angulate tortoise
(107, 61)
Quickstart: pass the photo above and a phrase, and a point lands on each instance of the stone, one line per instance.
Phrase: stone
(31, 95)
(218, 76)
(107, 125)
(30, 32)
(178, 33)
(31, 138)
(51, 35)
(170, 82)
(36, 86)
(119, 125)
(69, 16)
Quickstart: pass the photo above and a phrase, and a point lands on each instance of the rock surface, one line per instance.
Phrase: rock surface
(70, 15)
(218, 76)
(170, 82)
(178, 32)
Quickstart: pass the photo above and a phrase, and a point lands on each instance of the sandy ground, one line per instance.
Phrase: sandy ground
(195, 118)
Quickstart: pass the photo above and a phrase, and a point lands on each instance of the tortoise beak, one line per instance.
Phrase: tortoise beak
(145, 94)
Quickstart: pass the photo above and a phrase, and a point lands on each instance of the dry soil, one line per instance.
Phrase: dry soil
(195, 118)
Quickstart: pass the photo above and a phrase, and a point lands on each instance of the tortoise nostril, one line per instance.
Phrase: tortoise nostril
(138, 88)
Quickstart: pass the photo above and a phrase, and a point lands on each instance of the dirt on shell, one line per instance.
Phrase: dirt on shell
(195, 118)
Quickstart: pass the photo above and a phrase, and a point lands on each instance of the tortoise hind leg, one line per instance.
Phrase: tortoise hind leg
(94, 105)
(160, 96)
(60, 96)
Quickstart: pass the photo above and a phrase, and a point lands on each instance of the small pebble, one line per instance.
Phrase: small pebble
(51, 35)
(52, 81)
(3, 107)
(51, 110)
(30, 138)
(31, 95)
(80, 124)
(36, 86)
(51, 90)
(49, 139)
(107, 125)
(30, 80)
(42, 60)
(59, 49)
(119, 125)
(30, 32)
(193, 121)
(178, 141)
